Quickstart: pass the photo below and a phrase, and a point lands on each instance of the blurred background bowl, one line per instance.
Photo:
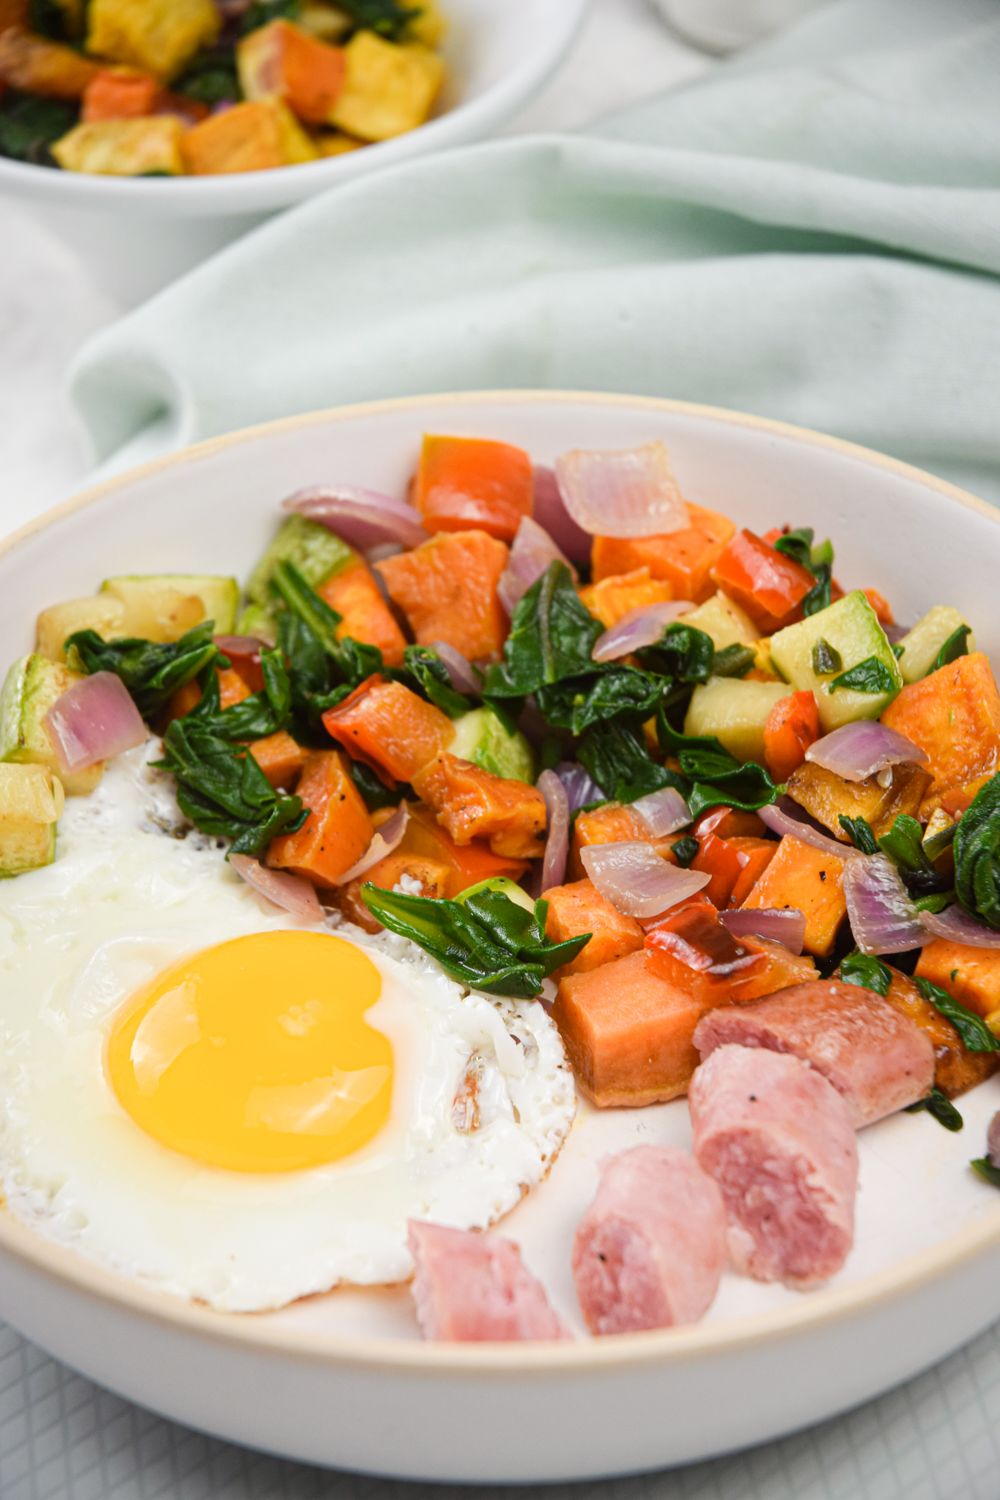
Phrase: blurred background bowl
(138, 234)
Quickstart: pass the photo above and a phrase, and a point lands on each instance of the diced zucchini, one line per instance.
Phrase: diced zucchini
(31, 800)
(388, 89)
(162, 606)
(317, 553)
(147, 147)
(735, 712)
(851, 628)
(33, 684)
(481, 737)
(920, 646)
(101, 613)
(724, 621)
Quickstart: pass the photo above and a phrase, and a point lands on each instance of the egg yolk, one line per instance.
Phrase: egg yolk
(255, 1055)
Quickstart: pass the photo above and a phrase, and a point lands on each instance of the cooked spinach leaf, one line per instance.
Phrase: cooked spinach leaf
(683, 652)
(616, 757)
(940, 1107)
(486, 941)
(859, 831)
(374, 791)
(29, 126)
(826, 659)
(551, 637)
(261, 12)
(47, 18)
(151, 670)
(578, 702)
(684, 850)
(223, 790)
(733, 661)
(210, 77)
(432, 678)
(954, 647)
(868, 972)
(868, 676)
(818, 560)
(977, 855)
(260, 714)
(905, 847)
(975, 1034)
(987, 1171)
(713, 777)
(386, 17)
(352, 660)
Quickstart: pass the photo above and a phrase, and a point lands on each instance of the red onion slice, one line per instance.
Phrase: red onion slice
(93, 720)
(240, 645)
(290, 892)
(553, 517)
(882, 916)
(634, 878)
(777, 817)
(557, 842)
(785, 925)
(464, 677)
(581, 788)
(362, 518)
(386, 839)
(993, 1140)
(856, 751)
(631, 493)
(663, 812)
(957, 926)
(639, 628)
(531, 552)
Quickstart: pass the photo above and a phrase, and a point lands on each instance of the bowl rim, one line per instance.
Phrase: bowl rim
(64, 1264)
(279, 187)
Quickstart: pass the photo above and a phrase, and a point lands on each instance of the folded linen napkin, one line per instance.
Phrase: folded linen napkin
(810, 233)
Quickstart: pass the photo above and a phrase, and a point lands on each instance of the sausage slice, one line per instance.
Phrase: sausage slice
(469, 1287)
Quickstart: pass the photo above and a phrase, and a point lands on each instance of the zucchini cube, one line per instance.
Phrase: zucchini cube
(31, 800)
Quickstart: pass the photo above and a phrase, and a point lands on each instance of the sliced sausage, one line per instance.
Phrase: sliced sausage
(778, 1139)
(650, 1249)
(469, 1287)
(877, 1058)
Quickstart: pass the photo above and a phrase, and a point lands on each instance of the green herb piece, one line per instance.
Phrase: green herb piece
(374, 791)
(733, 661)
(954, 647)
(940, 1107)
(987, 1171)
(616, 757)
(223, 791)
(826, 659)
(258, 715)
(488, 941)
(29, 126)
(869, 676)
(151, 670)
(432, 678)
(859, 831)
(576, 703)
(870, 973)
(977, 855)
(551, 637)
(905, 847)
(210, 77)
(818, 560)
(975, 1034)
(684, 850)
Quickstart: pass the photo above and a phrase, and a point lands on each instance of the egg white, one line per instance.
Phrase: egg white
(125, 899)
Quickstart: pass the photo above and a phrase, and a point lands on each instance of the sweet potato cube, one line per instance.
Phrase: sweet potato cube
(390, 728)
(628, 1032)
(447, 589)
(365, 616)
(338, 829)
(419, 875)
(279, 757)
(808, 879)
(956, 1069)
(580, 907)
(119, 94)
(159, 36)
(282, 61)
(388, 88)
(682, 558)
(612, 598)
(612, 823)
(971, 975)
(473, 803)
(250, 137)
(473, 484)
(37, 66)
(954, 715)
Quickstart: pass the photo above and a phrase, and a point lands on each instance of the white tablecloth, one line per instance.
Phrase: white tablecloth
(62, 1438)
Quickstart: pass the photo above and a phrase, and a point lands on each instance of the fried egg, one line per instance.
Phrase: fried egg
(201, 1093)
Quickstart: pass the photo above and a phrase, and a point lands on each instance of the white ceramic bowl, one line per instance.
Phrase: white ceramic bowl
(341, 1379)
(138, 234)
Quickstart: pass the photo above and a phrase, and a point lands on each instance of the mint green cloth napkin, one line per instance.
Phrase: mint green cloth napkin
(811, 233)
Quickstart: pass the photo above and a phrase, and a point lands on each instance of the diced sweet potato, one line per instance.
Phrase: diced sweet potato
(580, 907)
(159, 36)
(972, 975)
(282, 61)
(365, 616)
(37, 66)
(473, 484)
(390, 728)
(388, 88)
(754, 856)
(232, 687)
(956, 1069)
(612, 823)
(250, 137)
(683, 558)
(808, 879)
(338, 829)
(123, 148)
(628, 1032)
(467, 864)
(447, 589)
(612, 598)
(420, 876)
(473, 803)
(279, 757)
(119, 94)
(826, 796)
(953, 715)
